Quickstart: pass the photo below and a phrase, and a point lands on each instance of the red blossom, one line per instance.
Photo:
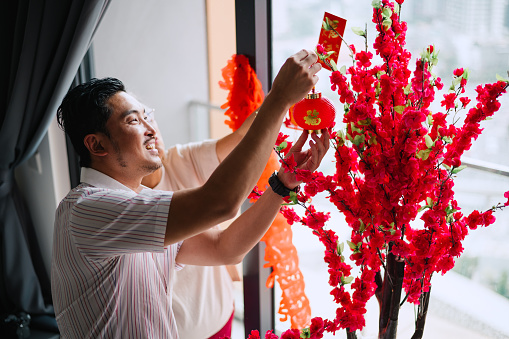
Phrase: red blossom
(281, 138)
(364, 58)
(438, 84)
(254, 335)
(291, 334)
(316, 328)
(270, 335)
(458, 72)
(449, 101)
(289, 163)
(506, 195)
(290, 215)
(315, 219)
(465, 101)
(255, 194)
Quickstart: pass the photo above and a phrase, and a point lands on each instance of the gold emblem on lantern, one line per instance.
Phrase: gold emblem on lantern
(312, 118)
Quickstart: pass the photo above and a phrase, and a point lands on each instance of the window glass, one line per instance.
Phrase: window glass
(473, 34)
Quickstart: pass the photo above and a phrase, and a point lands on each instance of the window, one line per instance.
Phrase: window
(469, 34)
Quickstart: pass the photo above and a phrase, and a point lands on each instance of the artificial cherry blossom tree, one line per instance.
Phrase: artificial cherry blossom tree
(396, 161)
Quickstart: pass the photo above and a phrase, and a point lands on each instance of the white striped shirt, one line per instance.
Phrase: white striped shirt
(111, 275)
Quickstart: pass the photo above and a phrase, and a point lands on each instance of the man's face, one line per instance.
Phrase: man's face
(159, 138)
(132, 137)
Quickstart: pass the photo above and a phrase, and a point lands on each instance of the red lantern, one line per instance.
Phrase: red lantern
(314, 113)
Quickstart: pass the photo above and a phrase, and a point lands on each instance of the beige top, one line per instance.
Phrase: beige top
(202, 295)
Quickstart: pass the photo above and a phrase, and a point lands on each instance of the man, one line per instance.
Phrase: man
(201, 294)
(117, 244)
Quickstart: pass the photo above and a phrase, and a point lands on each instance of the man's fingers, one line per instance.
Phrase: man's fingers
(306, 55)
(315, 68)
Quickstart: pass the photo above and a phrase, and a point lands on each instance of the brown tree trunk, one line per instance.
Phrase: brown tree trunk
(391, 297)
(421, 315)
(351, 335)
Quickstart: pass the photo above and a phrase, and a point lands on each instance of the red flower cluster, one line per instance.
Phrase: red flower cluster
(395, 162)
(315, 331)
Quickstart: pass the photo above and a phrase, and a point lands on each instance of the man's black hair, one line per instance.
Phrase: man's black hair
(84, 111)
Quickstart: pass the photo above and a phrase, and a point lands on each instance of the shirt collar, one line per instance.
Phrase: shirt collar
(98, 179)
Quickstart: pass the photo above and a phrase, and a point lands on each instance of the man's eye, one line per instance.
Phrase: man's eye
(133, 121)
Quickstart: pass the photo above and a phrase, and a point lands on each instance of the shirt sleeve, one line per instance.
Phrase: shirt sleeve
(107, 223)
(190, 165)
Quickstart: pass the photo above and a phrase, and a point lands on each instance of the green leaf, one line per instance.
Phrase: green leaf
(362, 227)
(429, 201)
(333, 64)
(447, 140)
(466, 73)
(305, 333)
(352, 246)
(423, 154)
(408, 89)
(358, 31)
(355, 128)
(346, 280)
(359, 139)
(399, 109)
(430, 120)
(365, 122)
(343, 70)
(447, 167)
(459, 169)
(329, 53)
(429, 142)
(387, 22)
(500, 78)
(376, 3)
(341, 247)
(282, 146)
(387, 12)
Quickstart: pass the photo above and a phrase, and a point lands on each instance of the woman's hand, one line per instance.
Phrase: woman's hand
(309, 159)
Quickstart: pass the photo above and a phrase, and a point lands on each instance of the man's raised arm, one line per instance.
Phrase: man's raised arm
(195, 210)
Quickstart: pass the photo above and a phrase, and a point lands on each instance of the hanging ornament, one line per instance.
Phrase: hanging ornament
(314, 113)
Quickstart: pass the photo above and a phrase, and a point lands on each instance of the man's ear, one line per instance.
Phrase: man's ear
(95, 145)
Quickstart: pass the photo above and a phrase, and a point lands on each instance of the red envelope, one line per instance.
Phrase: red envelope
(333, 28)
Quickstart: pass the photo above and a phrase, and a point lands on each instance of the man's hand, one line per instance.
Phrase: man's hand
(309, 159)
(296, 77)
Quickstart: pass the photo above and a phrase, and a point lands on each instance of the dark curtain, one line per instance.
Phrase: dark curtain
(43, 43)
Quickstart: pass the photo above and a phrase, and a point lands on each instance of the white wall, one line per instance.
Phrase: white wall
(158, 49)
